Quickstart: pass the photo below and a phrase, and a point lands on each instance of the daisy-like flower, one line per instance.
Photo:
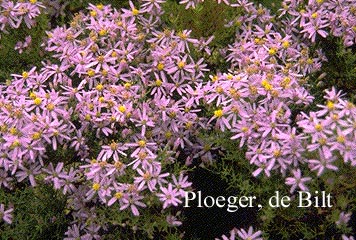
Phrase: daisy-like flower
(250, 234)
(169, 196)
(133, 12)
(181, 183)
(297, 181)
(6, 215)
(322, 164)
(345, 237)
(173, 221)
(344, 218)
(133, 201)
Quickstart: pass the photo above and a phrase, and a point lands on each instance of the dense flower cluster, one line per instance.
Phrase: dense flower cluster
(310, 18)
(321, 18)
(255, 100)
(127, 97)
(12, 14)
(124, 83)
(331, 132)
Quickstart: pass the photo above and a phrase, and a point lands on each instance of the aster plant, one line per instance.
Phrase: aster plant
(126, 105)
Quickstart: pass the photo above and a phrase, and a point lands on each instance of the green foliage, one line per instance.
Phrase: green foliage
(340, 68)
(272, 5)
(207, 19)
(292, 222)
(39, 213)
(76, 6)
(151, 224)
(11, 60)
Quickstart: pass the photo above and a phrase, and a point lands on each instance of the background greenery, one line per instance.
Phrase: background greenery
(41, 212)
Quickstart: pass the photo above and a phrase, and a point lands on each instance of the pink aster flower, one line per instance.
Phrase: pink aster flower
(181, 183)
(297, 181)
(173, 221)
(30, 173)
(344, 218)
(322, 164)
(345, 237)
(133, 201)
(250, 234)
(6, 215)
(169, 196)
(5, 180)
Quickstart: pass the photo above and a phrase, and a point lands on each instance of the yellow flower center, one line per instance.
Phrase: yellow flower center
(318, 127)
(229, 76)
(330, 105)
(104, 72)
(142, 155)
(277, 153)
(188, 125)
(142, 143)
(13, 131)
(181, 64)
(146, 175)
(100, 6)
(103, 32)
(266, 85)
(91, 72)
(168, 134)
(96, 186)
(37, 101)
(93, 13)
(101, 99)
(322, 141)
(272, 51)
(33, 95)
(122, 109)
(87, 117)
(182, 35)
(253, 89)
(214, 78)
(36, 136)
(113, 146)
(285, 82)
(158, 83)
(135, 12)
(310, 61)
(25, 75)
(219, 89)
(15, 144)
(114, 54)
(118, 165)
(285, 44)
(99, 87)
(340, 139)
(218, 113)
(118, 195)
(160, 66)
(244, 129)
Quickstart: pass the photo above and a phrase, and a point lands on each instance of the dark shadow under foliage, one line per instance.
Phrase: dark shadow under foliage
(208, 223)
